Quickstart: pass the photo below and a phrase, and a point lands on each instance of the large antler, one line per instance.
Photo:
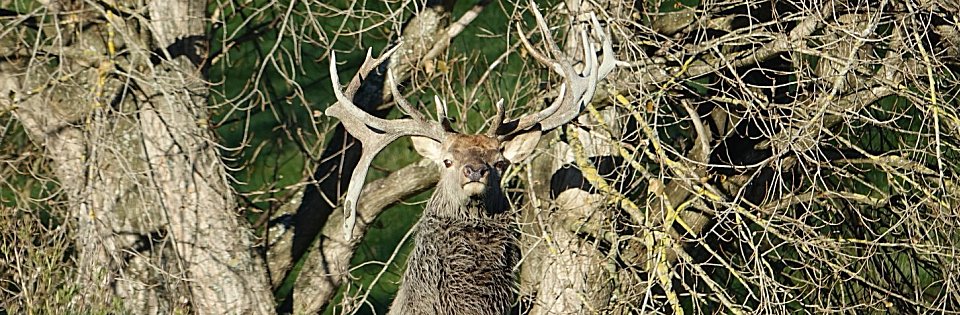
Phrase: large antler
(373, 132)
(577, 89)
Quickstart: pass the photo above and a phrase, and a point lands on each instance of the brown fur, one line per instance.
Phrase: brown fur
(465, 248)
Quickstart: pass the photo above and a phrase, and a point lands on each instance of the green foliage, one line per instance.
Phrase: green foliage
(34, 264)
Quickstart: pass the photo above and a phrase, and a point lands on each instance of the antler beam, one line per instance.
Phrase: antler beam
(373, 132)
(578, 88)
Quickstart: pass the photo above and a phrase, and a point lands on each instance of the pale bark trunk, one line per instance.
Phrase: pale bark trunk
(210, 237)
(574, 277)
(157, 224)
(563, 273)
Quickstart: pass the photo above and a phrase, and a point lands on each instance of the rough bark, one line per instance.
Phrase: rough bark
(563, 273)
(127, 129)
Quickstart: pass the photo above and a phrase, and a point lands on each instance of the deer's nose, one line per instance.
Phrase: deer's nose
(475, 172)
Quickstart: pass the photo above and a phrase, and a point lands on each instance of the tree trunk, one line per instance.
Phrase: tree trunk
(563, 273)
(126, 126)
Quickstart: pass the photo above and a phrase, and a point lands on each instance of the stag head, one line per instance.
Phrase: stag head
(471, 164)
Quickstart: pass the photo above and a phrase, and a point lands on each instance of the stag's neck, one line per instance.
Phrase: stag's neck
(492, 205)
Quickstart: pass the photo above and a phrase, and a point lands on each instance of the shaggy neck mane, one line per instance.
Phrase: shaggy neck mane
(456, 205)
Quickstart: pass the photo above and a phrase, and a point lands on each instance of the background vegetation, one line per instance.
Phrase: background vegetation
(751, 156)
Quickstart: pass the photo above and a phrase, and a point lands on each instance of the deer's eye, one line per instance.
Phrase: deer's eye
(448, 163)
(501, 164)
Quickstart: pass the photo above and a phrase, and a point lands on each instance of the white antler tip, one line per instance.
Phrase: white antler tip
(441, 106)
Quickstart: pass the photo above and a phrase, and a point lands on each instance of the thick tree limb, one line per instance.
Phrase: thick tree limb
(327, 266)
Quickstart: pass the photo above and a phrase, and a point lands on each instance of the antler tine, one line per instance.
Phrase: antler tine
(497, 120)
(442, 113)
(373, 132)
(578, 87)
(441, 108)
(610, 61)
(552, 64)
(545, 31)
(530, 120)
(400, 100)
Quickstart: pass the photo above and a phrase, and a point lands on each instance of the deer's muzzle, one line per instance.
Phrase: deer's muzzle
(475, 178)
(476, 172)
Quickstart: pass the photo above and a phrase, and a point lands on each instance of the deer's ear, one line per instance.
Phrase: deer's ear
(520, 147)
(427, 147)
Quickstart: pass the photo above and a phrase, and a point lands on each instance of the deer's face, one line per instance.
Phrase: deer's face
(472, 162)
(471, 165)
